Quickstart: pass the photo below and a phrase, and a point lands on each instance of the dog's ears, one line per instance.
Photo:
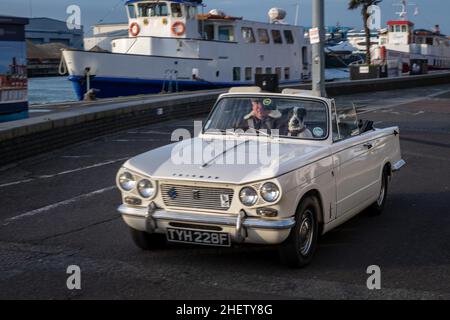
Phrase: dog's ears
(301, 112)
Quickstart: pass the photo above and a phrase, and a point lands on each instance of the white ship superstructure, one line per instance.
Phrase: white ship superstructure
(402, 42)
(171, 47)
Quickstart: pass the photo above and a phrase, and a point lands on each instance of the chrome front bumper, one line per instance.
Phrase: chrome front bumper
(241, 228)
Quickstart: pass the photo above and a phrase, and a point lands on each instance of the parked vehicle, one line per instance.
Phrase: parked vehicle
(323, 168)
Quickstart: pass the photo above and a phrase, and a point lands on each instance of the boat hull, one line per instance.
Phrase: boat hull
(342, 61)
(105, 87)
(115, 75)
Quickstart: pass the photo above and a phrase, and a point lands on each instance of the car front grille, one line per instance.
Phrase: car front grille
(181, 196)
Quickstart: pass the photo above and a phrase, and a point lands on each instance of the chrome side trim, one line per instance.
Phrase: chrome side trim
(222, 220)
(398, 165)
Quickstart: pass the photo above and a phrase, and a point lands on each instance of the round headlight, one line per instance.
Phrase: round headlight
(248, 196)
(270, 192)
(146, 188)
(126, 181)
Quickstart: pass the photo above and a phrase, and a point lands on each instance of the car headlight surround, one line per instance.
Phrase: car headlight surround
(146, 188)
(127, 182)
(248, 196)
(270, 192)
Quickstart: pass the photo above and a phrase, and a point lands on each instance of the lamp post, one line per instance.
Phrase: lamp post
(318, 53)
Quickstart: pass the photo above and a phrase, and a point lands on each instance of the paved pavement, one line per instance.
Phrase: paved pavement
(59, 209)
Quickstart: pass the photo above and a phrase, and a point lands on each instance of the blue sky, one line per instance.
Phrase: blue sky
(431, 11)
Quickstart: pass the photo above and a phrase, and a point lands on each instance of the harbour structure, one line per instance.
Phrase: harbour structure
(46, 37)
(43, 59)
(13, 69)
(171, 46)
(47, 30)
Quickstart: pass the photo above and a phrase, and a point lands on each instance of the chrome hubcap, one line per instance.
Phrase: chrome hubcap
(382, 193)
(306, 231)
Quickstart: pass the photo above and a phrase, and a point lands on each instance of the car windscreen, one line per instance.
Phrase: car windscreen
(285, 117)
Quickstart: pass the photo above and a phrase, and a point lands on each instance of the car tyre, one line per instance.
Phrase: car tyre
(377, 207)
(298, 250)
(148, 241)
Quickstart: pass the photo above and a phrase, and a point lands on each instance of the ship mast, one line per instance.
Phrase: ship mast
(403, 14)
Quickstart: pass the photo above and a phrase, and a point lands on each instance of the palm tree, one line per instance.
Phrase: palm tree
(364, 5)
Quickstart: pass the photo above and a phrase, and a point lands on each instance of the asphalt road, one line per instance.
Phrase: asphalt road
(59, 209)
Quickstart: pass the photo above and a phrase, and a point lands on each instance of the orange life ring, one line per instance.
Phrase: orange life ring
(178, 28)
(134, 29)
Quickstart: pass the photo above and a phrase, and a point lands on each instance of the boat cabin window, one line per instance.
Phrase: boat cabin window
(132, 11)
(391, 29)
(258, 70)
(191, 12)
(208, 31)
(276, 35)
(287, 73)
(248, 35)
(263, 36)
(404, 29)
(176, 10)
(248, 74)
(226, 33)
(153, 9)
(288, 36)
(268, 70)
(305, 56)
(430, 41)
(278, 73)
(397, 28)
(236, 74)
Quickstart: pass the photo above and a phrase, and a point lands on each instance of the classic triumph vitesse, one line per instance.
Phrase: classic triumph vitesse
(274, 169)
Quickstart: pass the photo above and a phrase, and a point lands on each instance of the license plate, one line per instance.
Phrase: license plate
(206, 238)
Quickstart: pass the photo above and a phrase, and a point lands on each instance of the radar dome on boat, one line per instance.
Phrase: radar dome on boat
(217, 12)
(277, 14)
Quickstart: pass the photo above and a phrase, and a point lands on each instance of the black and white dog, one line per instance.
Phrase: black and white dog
(296, 125)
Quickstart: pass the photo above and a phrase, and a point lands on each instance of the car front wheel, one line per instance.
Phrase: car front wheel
(148, 241)
(298, 250)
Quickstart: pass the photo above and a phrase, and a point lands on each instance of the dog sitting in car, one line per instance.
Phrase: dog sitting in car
(296, 124)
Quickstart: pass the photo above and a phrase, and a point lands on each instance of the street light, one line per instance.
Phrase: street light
(318, 53)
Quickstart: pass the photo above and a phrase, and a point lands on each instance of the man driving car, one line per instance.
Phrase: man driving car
(263, 116)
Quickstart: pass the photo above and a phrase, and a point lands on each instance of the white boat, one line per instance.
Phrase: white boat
(171, 47)
(357, 39)
(401, 44)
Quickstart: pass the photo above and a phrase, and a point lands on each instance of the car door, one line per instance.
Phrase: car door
(353, 163)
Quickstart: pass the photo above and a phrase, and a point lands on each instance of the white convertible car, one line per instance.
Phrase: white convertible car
(272, 169)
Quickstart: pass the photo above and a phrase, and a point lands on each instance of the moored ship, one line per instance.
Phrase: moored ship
(173, 47)
(406, 46)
